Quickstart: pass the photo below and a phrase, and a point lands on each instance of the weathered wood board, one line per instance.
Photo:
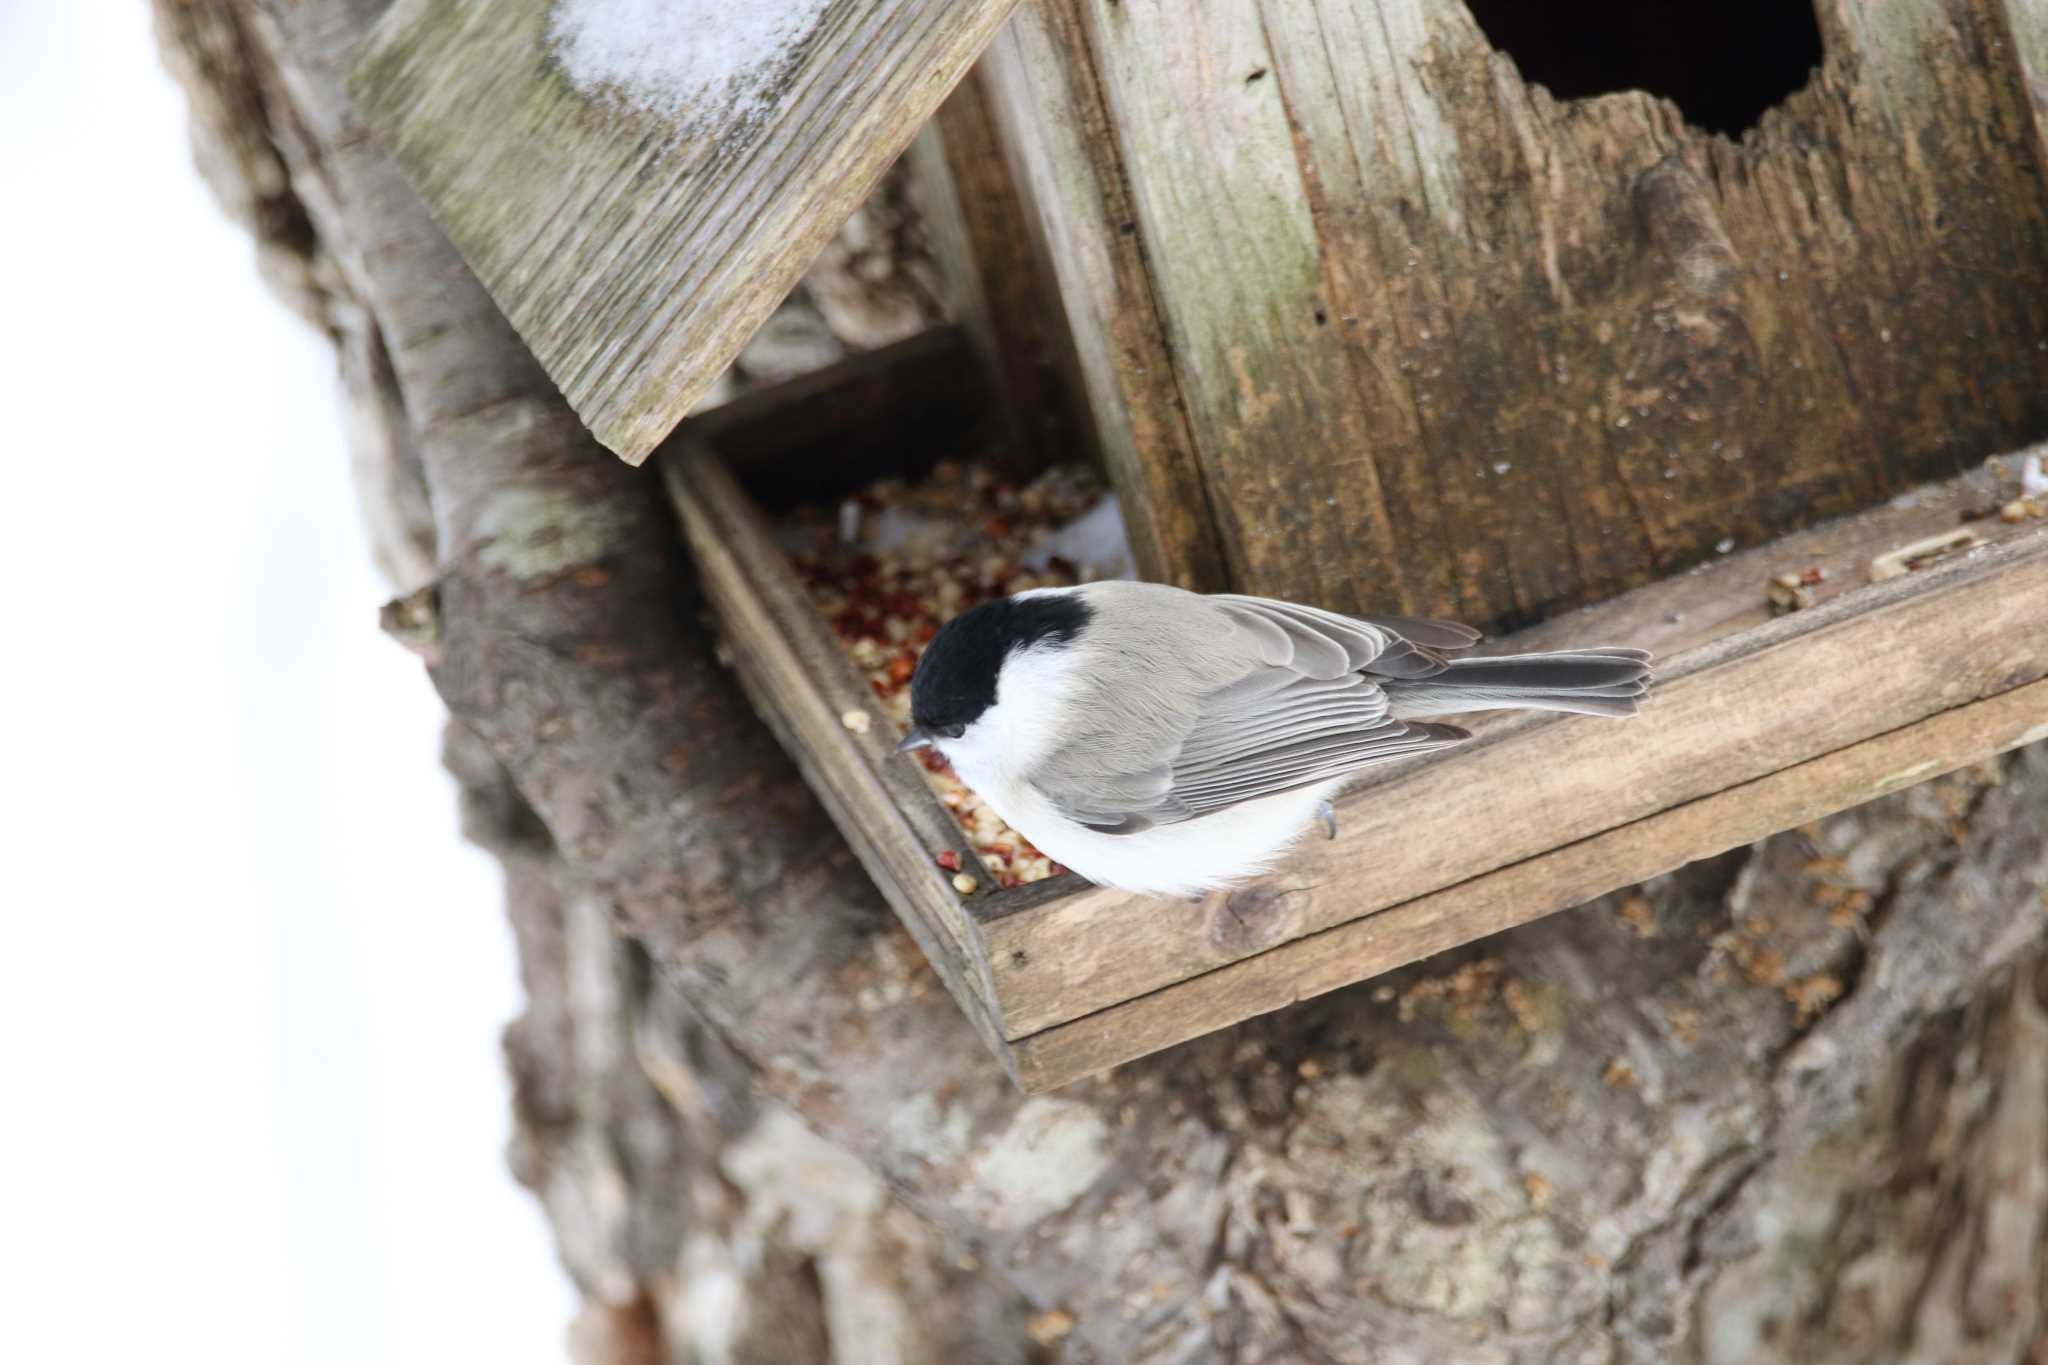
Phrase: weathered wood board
(1737, 705)
(1362, 948)
(1042, 79)
(637, 228)
(1367, 320)
(997, 285)
(1756, 724)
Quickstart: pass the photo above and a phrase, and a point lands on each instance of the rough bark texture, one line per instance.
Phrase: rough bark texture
(1786, 1105)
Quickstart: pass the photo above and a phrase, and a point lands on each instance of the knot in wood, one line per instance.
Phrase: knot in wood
(1681, 221)
(1252, 918)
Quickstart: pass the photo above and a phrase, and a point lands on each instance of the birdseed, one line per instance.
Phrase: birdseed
(890, 565)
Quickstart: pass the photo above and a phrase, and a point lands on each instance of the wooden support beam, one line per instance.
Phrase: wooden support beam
(822, 714)
(637, 233)
(1370, 322)
(997, 284)
(1875, 660)
(1061, 142)
(1539, 886)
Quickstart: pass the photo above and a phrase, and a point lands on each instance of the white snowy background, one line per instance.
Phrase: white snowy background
(251, 980)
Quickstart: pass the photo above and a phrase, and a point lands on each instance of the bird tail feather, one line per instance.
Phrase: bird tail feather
(1589, 682)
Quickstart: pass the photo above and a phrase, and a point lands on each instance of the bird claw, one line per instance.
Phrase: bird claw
(1329, 813)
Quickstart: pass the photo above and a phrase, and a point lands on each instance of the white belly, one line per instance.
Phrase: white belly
(1187, 859)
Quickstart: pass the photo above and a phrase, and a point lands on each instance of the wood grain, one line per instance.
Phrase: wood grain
(997, 286)
(801, 683)
(1444, 344)
(634, 255)
(1870, 660)
(895, 410)
(1555, 880)
(1062, 150)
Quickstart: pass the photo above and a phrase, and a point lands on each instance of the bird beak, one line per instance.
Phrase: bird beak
(918, 738)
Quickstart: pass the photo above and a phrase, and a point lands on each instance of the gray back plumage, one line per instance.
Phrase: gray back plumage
(1189, 704)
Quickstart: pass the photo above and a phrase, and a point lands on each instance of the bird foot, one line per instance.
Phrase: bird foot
(1329, 813)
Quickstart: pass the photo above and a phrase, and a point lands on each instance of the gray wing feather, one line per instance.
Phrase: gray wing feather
(1321, 644)
(1296, 712)
(1309, 709)
(1292, 767)
(1445, 637)
(1307, 732)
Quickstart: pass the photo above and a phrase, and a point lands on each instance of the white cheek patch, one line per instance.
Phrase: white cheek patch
(1015, 734)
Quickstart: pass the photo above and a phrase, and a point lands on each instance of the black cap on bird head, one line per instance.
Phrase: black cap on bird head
(956, 676)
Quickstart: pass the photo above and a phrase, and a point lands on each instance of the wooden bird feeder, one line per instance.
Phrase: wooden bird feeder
(1354, 312)
(1761, 721)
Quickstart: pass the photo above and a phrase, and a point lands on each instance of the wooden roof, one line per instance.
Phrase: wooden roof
(636, 198)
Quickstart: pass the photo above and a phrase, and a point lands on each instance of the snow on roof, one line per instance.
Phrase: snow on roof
(685, 60)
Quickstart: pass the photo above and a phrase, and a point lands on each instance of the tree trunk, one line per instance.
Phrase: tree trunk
(1782, 1106)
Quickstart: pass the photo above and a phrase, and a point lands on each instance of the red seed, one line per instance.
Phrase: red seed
(949, 860)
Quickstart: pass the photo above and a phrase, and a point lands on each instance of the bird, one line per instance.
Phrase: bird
(1173, 743)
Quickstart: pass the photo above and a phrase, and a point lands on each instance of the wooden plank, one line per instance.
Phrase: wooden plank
(635, 233)
(1061, 148)
(1869, 660)
(1447, 345)
(2028, 21)
(895, 410)
(805, 687)
(1716, 600)
(995, 284)
(1231, 236)
(1528, 890)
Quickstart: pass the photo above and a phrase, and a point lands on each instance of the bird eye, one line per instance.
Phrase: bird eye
(952, 731)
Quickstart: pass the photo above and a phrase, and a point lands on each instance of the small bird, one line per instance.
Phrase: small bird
(1170, 742)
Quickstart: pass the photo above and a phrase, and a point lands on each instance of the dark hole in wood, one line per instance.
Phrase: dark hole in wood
(1722, 63)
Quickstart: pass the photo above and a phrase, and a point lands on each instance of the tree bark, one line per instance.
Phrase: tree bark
(1784, 1105)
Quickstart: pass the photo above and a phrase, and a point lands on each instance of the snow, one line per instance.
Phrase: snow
(689, 61)
(1095, 541)
(2033, 481)
(253, 978)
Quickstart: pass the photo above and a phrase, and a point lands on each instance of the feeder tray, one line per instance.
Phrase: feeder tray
(1763, 718)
